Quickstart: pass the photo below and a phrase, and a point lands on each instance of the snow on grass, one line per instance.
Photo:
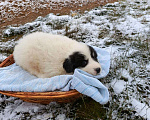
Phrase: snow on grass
(131, 26)
(141, 109)
(2, 57)
(9, 9)
(123, 29)
(118, 85)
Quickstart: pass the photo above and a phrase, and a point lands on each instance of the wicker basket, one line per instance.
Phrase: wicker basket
(40, 97)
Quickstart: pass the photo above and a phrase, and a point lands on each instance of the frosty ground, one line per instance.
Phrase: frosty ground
(23, 11)
(123, 29)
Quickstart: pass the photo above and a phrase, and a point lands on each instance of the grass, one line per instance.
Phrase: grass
(135, 63)
(84, 111)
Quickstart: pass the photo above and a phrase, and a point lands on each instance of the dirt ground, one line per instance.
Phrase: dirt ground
(27, 14)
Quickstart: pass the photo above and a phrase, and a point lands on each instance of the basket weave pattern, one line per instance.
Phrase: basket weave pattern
(40, 97)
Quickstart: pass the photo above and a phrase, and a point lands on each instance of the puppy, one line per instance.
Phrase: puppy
(45, 55)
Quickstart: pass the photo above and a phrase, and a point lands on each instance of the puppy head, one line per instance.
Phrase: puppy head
(85, 60)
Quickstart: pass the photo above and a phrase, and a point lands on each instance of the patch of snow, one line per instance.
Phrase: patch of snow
(61, 117)
(1, 100)
(141, 108)
(116, 28)
(19, 7)
(44, 116)
(118, 85)
(130, 26)
(26, 107)
(2, 57)
(144, 18)
(126, 75)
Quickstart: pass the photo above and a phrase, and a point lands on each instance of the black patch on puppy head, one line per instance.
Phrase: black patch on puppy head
(93, 53)
(76, 60)
(68, 66)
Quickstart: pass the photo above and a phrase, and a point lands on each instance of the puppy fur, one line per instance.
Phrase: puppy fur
(45, 55)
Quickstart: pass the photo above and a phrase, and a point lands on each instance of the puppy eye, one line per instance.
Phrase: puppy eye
(96, 59)
(84, 63)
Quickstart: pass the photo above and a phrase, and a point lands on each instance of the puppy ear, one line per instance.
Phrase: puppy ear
(93, 53)
(68, 66)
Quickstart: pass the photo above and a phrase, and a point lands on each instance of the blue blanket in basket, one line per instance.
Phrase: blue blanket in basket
(14, 78)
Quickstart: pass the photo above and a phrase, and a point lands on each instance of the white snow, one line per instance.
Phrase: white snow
(24, 7)
(61, 117)
(2, 57)
(112, 28)
(118, 85)
(26, 107)
(141, 108)
(131, 26)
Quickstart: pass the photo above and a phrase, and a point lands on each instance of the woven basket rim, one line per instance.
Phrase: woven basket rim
(39, 96)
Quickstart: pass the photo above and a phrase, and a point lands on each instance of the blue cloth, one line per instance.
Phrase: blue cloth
(14, 78)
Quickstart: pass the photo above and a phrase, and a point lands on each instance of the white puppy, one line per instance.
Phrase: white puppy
(45, 55)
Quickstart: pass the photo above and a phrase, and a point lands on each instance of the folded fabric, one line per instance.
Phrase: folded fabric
(14, 78)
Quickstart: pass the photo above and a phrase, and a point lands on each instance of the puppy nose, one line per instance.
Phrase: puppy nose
(98, 70)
